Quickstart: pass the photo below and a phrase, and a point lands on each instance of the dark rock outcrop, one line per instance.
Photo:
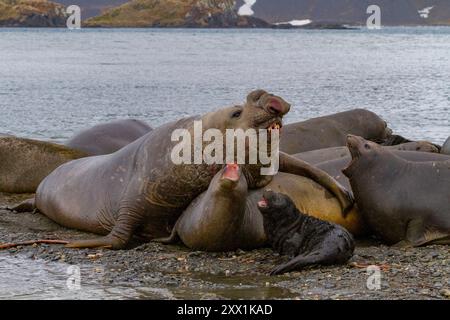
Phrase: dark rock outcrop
(31, 13)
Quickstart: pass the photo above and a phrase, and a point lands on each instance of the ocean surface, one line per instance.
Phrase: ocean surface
(56, 81)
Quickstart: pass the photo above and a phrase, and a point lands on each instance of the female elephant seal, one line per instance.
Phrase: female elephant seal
(331, 131)
(328, 154)
(139, 190)
(106, 138)
(309, 241)
(399, 199)
(226, 216)
(25, 162)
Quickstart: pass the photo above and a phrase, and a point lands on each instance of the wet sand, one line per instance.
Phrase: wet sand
(154, 271)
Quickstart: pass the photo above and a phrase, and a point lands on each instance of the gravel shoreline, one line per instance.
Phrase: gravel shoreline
(174, 272)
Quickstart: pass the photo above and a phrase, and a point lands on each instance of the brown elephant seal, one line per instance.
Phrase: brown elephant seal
(106, 138)
(328, 154)
(140, 191)
(446, 147)
(226, 216)
(307, 240)
(25, 162)
(331, 131)
(401, 201)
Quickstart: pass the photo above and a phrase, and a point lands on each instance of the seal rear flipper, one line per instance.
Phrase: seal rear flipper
(172, 239)
(26, 206)
(299, 263)
(418, 235)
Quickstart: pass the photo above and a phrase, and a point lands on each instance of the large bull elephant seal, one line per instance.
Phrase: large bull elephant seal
(331, 131)
(446, 147)
(402, 201)
(328, 154)
(140, 191)
(108, 137)
(25, 162)
(226, 216)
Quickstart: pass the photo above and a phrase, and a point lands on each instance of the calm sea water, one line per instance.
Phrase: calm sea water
(55, 81)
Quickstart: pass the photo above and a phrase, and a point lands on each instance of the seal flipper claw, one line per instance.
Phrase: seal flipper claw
(26, 206)
(102, 242)
(298, 263)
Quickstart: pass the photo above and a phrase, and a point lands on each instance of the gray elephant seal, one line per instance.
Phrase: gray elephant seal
(25, 162)
(226, 216)
(334, 167)
(307, 240)
(446, 147)
(402, 201)
(328, 154)
(138, 191)
(108, 137)
(331, 131)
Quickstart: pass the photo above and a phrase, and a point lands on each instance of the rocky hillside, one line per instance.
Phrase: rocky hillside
(393, 12)
(31, 13)
(92, 8)
(175, 13)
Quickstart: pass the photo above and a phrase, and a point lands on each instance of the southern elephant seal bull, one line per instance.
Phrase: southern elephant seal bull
(25, 162)
(106, 138)
(307, 240)
(140, 191)
(331, 131)
(226, 216)
(401, 201)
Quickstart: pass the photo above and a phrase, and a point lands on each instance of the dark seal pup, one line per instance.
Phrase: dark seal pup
(308, 240)
(403, 202)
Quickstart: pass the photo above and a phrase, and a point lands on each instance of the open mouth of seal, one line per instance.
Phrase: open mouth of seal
(263, 203)
(276, 125)
(231, 172)
(352, 144)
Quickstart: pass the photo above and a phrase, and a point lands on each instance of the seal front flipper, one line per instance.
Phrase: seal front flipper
(418, 235)
(106, 242)
(290, 164)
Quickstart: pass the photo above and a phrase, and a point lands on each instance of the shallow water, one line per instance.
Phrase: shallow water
(56, 81)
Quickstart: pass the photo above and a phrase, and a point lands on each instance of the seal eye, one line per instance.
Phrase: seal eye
(367, 146)
(236, 114)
